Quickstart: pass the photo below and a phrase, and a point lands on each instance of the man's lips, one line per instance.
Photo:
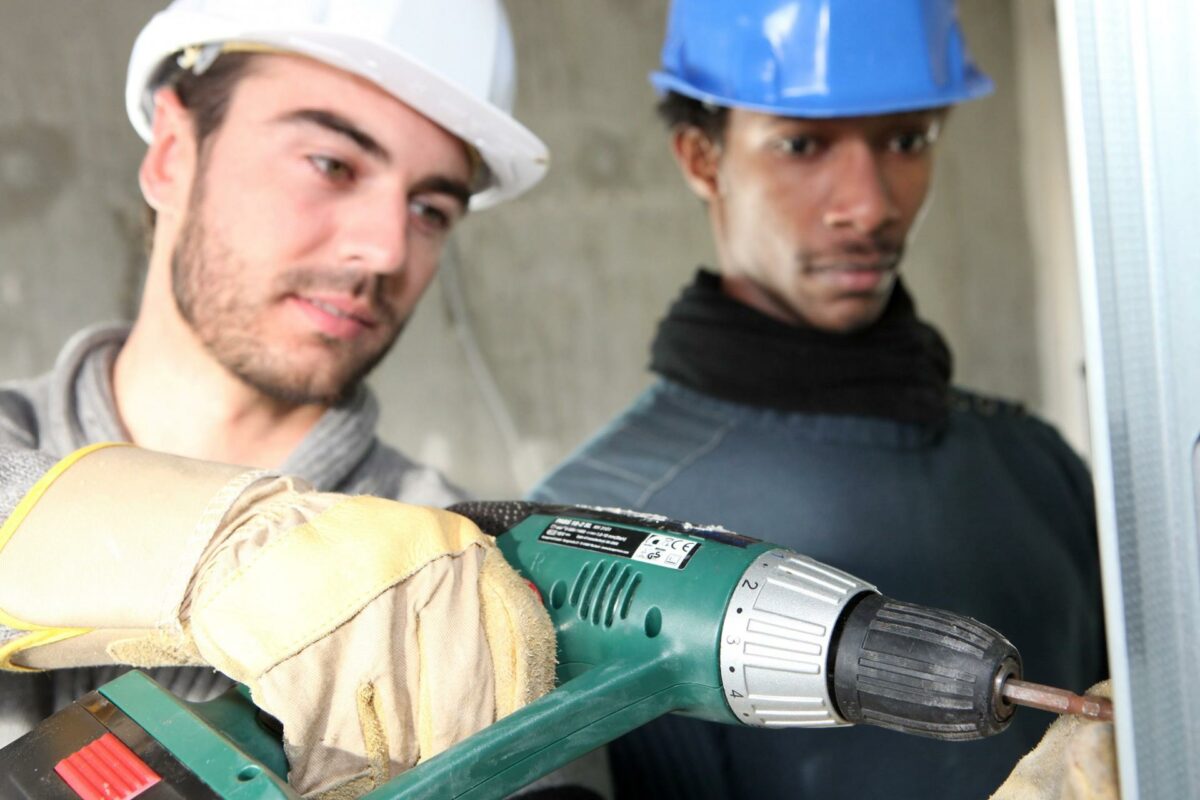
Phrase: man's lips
(339, 317)
(856, 273)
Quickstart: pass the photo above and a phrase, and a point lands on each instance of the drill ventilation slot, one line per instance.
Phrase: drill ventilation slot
(603, 591)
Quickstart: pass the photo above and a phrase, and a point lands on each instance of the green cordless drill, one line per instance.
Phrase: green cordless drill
(653, 616)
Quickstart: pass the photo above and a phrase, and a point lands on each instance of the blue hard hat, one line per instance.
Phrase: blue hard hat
(819, 58)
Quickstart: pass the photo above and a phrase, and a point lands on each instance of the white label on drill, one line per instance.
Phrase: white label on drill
(666, 551)
(672, 552)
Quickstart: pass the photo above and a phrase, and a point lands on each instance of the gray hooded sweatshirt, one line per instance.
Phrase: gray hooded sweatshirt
(46, 418)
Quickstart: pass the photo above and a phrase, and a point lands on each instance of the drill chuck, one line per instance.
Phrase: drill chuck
(805, 645)
(922, 670)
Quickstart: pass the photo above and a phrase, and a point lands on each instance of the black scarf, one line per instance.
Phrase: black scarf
(898, 368)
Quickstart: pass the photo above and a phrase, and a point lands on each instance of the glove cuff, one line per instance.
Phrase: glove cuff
(102, 549)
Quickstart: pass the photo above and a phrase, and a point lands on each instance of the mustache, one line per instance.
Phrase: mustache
(357, 283)
(855, 255)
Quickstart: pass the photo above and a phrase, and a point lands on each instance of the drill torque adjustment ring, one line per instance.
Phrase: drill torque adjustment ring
(777, 639)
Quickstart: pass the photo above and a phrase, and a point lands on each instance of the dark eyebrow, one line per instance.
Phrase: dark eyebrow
(340, 125)
(449, 186)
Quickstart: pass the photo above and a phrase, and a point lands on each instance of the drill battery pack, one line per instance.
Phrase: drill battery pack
(95, 749)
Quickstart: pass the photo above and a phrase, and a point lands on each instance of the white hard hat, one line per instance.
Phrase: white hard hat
(451, 60)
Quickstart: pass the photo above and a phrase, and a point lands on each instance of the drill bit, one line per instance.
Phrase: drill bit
(1060, 701)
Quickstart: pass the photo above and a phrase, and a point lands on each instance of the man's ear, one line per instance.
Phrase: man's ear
(168, 167)
(699, 160)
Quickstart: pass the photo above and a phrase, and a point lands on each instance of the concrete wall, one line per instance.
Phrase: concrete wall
(1047, 210)
(537, 329)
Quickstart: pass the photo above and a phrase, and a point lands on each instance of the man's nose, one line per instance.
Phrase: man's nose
(374, 232)
(861, 198)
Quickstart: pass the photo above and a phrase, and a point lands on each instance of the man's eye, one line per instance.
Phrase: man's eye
(332, 168)
(430, 215)
(910, 142)
(799, 145)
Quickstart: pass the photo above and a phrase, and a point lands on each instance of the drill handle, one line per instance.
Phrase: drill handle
(587, 712)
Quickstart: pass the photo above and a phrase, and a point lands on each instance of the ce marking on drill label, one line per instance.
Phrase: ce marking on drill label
(660, 549)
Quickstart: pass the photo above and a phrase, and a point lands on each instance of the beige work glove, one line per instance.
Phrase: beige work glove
(378, 633)
(1076, 760)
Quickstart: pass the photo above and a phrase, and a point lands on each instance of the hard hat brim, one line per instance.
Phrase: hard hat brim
(818, 106)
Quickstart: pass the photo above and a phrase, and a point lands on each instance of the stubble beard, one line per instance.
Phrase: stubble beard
(209, 298)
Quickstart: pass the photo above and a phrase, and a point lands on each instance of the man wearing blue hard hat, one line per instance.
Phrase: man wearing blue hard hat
(802, 400)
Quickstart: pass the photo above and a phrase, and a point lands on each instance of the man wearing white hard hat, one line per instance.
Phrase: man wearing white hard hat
(306, 161)
(802, 400)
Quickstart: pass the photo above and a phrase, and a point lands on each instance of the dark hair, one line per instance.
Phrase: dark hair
(206, 96)
(678, 110)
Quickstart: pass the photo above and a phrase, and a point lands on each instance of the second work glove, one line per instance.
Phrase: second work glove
(378, 633)
(1076, 760)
